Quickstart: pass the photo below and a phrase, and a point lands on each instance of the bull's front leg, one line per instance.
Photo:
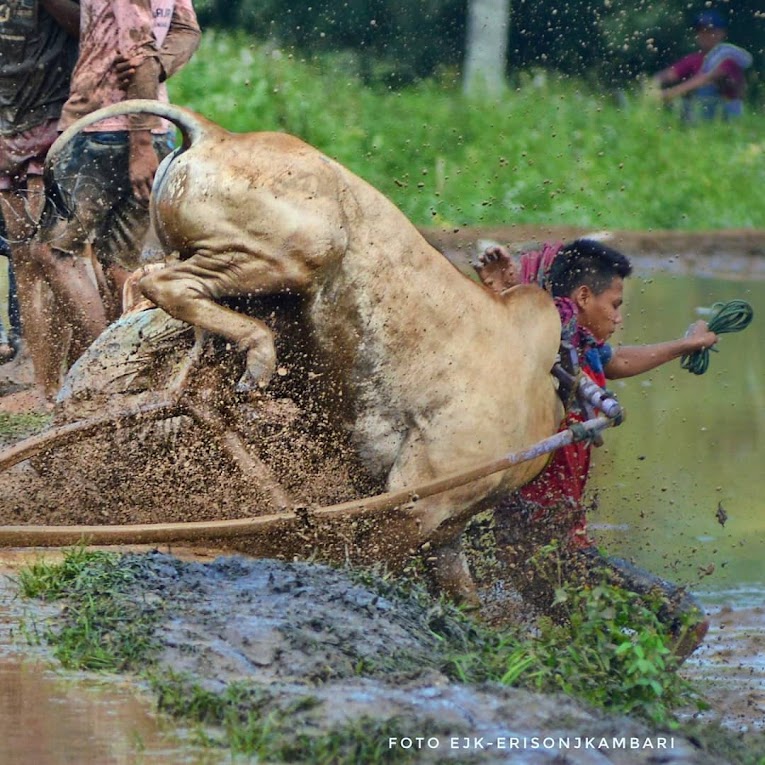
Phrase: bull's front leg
(188, 291)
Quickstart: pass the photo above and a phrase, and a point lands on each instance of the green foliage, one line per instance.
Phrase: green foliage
(552, 152)
(393, 41)
(612, 651)
(609, 649)
(610, 42)
(105, 627)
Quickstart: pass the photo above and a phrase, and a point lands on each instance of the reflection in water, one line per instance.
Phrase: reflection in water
(689, 444)
(47, 720)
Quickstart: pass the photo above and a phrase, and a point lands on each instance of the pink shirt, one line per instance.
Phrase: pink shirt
(164, 29)
(732, 82)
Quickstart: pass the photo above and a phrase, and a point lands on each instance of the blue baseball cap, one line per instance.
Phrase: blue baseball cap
(710, 20)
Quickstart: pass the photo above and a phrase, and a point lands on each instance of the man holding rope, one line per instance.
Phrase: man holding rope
(586, 279)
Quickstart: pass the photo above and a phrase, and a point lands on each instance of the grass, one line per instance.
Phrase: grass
(239, 713)
(106, 627)
(610, 652)
(16, 426)
(550, 152)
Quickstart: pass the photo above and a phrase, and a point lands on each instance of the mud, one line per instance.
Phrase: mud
(332, 650)
(298, 629)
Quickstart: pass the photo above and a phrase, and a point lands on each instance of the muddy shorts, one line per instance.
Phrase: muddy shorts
(94, 182)
(23, 154)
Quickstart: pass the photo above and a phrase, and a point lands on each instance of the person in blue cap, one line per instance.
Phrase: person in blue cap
(712, 79)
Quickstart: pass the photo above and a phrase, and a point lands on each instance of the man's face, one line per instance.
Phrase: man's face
(601, 313)
(708, 37)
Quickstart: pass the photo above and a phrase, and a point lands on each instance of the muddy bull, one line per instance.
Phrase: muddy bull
(438, 373)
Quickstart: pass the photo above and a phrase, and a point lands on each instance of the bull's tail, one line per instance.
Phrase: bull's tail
(191, 125)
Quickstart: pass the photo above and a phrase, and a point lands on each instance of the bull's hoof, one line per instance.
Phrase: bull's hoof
(257, 374)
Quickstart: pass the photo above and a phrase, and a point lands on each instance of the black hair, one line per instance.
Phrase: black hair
(585, 261)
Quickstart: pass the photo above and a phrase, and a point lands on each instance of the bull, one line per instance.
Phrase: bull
(438, 374)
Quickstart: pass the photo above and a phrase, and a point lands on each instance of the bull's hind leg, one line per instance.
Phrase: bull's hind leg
(444, 557)
(188, 291)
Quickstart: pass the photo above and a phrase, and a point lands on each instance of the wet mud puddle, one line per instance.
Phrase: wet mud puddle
(51, 718)
(729, 667)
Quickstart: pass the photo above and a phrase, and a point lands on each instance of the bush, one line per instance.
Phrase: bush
(551, 152)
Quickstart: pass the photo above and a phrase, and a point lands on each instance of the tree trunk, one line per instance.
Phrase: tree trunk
(486, 47)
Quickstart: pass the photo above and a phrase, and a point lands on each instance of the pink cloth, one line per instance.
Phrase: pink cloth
(23, 154)
(731, 85)
(133, 28)
(535, 265)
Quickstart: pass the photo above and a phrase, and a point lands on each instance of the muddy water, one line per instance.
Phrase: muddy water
(690, 446)
(48, 718)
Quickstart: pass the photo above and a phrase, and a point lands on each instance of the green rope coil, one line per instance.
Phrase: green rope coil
(732, 316)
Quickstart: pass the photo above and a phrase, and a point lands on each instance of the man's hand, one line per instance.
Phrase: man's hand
(699, 336)
(143, 164)
(125, 69)
(496, 268)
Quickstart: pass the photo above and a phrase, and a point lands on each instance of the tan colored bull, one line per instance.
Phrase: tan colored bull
(438, 373)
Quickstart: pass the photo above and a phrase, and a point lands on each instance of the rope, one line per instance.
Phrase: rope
(282, 522)
(732, 316)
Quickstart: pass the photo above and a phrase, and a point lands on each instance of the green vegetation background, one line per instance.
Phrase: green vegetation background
(551, 151)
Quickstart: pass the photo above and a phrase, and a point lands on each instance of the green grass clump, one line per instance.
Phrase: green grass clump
(15, 426)
(271, 736)
(551, 151)
(104, 627)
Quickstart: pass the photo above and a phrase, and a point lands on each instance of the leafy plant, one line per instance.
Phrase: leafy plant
(612, 650)
(605, 646)
(554, 151)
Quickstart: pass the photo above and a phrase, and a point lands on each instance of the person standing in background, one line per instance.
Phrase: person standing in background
(128, 49)
(38, 50)
(711, 80)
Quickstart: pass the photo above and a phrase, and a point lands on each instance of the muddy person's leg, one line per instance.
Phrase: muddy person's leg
(41, 329)
(75, 293)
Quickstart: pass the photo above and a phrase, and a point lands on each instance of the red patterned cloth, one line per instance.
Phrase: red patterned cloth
(535, 265)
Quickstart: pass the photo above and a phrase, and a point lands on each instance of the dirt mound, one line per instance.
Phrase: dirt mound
(331, 650)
